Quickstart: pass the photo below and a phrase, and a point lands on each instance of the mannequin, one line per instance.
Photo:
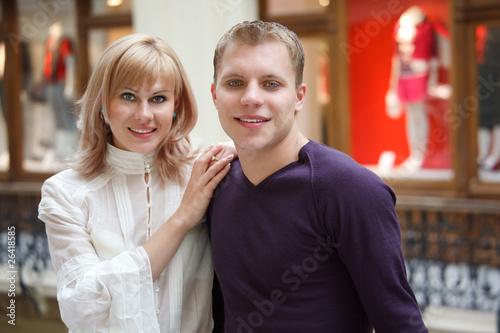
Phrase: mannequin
(414, 72)
(58, 74)
(489, 102)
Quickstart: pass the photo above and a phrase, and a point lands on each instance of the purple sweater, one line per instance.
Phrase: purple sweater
(315, 247)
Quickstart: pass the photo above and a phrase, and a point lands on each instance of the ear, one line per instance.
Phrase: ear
(301, 96)
(178, 101)
(214, 97)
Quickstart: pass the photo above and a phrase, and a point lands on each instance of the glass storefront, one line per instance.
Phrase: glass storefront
(399, 61)
(488, 102)
(47, 50)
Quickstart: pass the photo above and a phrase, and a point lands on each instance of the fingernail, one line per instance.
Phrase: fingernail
(230, 157)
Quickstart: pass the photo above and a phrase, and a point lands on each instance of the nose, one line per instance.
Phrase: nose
(252, 95)
(144, 112)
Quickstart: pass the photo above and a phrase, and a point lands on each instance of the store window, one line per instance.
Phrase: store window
(488, 102)
(399, 63)
(412, 91)
(48, 83)
(47, 54)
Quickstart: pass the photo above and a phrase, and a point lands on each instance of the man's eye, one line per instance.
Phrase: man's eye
(128, 96)
(158, 99)
(234, 83)
(272, 85)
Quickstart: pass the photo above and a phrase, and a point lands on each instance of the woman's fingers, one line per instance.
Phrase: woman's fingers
(210, 154)
(209, 158)
(214, 171)
(228, 148)
(206, 175)
(217, 172)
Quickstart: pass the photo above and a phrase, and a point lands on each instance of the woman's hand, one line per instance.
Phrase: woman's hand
(208, 171)
(205, 177)
(228, 148)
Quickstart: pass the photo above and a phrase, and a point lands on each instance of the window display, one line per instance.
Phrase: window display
(399, 56)
(48, 89)
(488, 94)
(45, 55)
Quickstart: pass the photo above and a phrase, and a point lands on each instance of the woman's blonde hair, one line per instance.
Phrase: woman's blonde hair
(135, 60)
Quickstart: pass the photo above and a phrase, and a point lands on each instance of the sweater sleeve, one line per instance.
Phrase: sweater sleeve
(361, 217)
(108, 295)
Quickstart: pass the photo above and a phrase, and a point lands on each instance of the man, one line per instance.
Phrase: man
(304, 239)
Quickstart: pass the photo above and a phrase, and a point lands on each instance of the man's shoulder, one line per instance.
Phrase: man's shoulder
(335, 170)
(329, 161)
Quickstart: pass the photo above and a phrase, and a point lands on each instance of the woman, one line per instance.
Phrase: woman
(123, 222)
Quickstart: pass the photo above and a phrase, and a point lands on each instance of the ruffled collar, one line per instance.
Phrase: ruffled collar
(128, 162)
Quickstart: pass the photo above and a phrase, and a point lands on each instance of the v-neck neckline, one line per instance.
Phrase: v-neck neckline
(269, 179)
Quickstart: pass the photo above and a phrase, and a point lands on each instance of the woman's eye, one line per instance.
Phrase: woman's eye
(158, 99)
(128, 96)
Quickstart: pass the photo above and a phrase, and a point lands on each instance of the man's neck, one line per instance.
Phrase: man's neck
(258, 165)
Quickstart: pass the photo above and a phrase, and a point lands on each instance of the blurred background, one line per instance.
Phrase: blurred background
(440, 154)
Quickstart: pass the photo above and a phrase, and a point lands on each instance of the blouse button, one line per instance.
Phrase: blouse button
(157, 311)
(157, 289)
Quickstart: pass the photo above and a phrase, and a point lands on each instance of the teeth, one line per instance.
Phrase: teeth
(141, 131)
(252, 120)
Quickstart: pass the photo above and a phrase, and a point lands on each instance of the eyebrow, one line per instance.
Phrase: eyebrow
(162, 91)
(266, 76)
(154, 93)
(273, 76)
(232, 76)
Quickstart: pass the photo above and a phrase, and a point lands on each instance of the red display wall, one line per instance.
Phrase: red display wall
(369, 51)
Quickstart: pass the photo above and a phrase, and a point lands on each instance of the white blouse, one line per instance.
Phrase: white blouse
(96, 229)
